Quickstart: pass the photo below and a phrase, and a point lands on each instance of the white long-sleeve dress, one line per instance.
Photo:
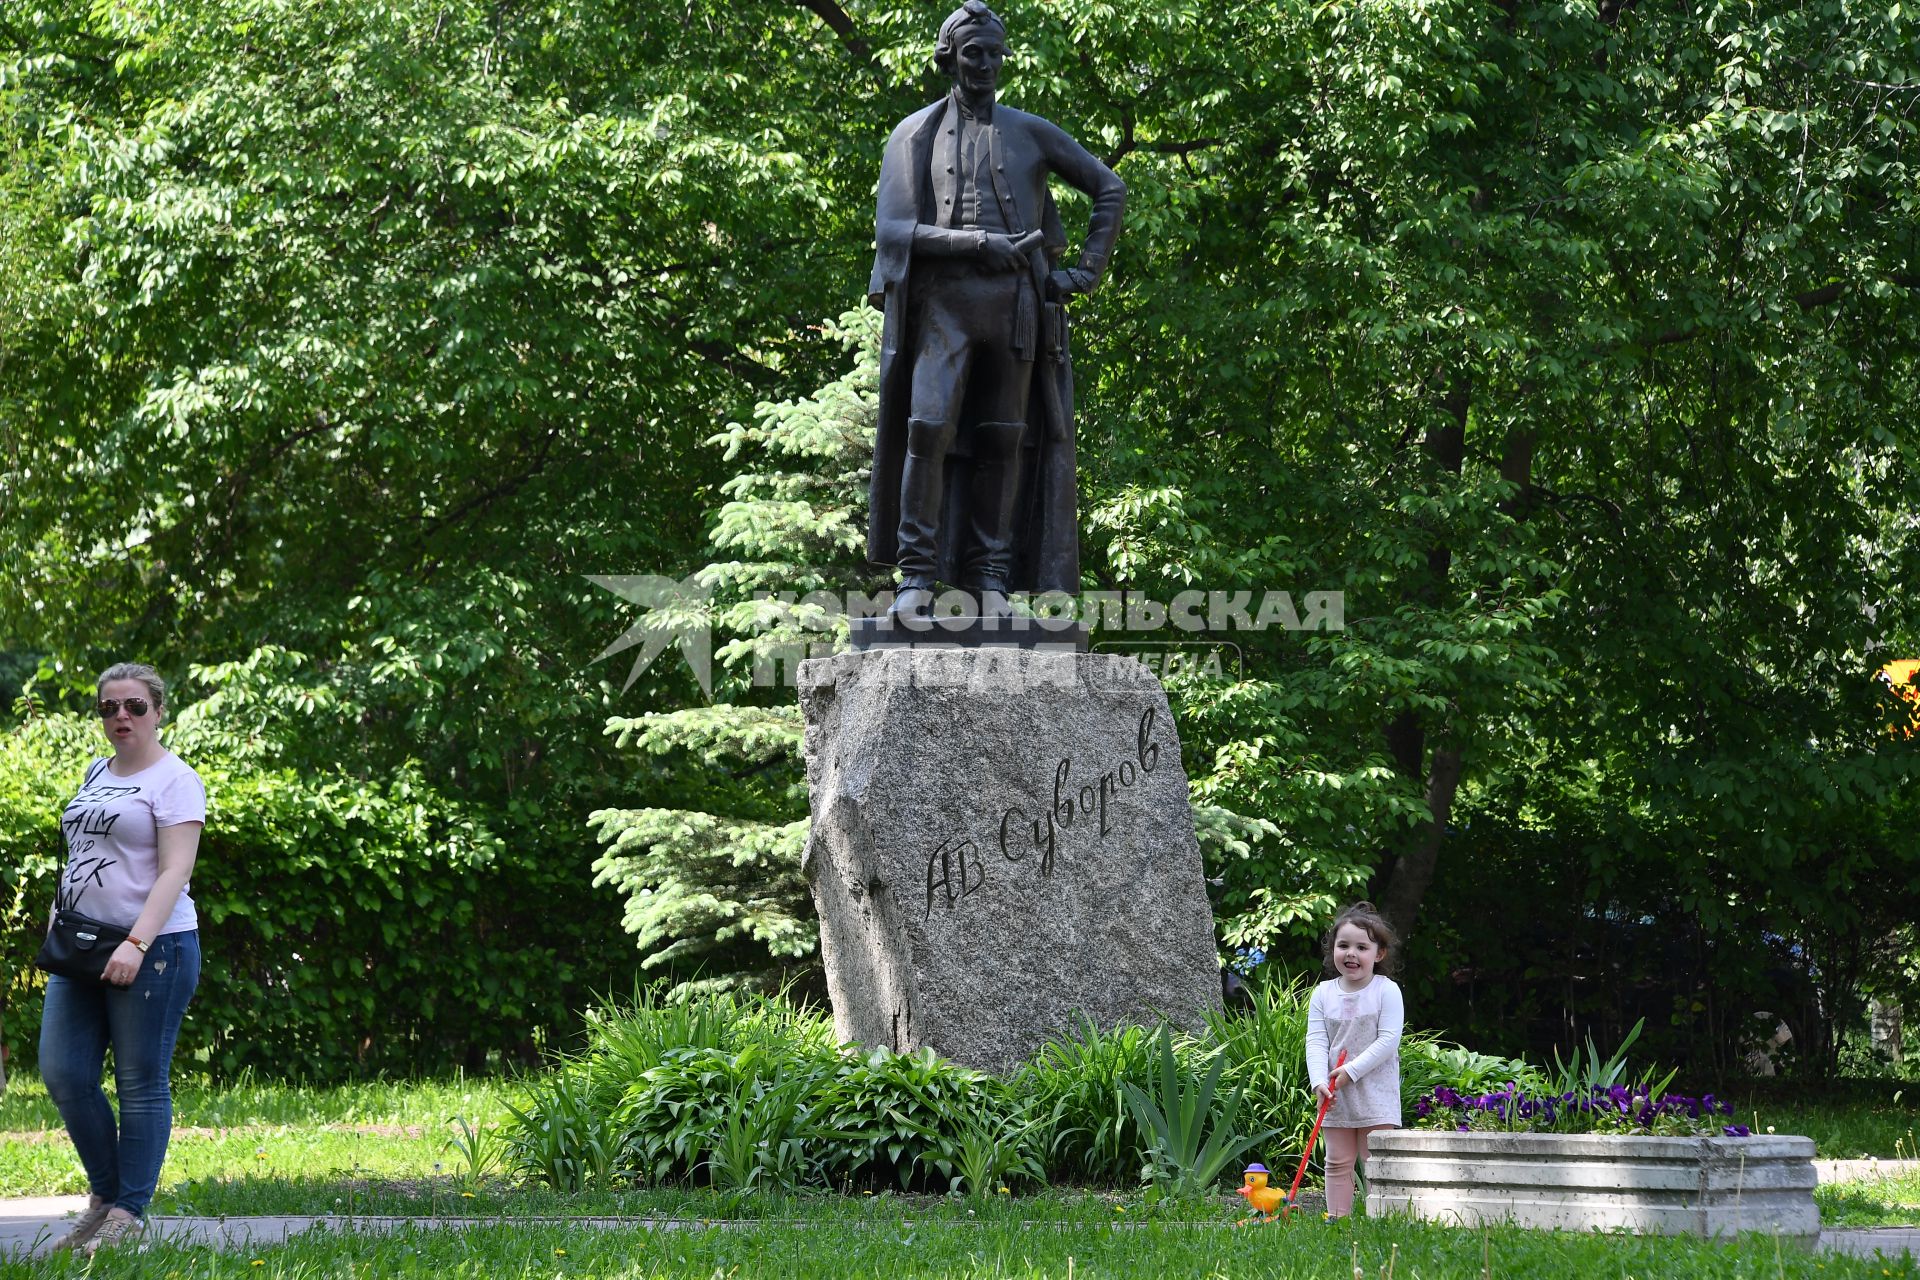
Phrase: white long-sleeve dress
(1367, 1025)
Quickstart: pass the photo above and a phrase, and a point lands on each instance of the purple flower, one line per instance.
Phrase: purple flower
(1622, 1106)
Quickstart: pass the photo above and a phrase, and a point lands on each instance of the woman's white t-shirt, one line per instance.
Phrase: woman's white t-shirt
(112, 828)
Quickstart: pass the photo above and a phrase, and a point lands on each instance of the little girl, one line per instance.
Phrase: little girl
(1358, 1011)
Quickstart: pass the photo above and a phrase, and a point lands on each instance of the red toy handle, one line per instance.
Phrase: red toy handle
(1293, 1192)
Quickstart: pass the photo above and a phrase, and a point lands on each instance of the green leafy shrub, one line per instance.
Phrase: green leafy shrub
(1190, 1122)
(480, 1148)
(735, 1119)
(998, 1152)
(1078, 1079)
(900, 1117)
(765, 1132)
(561, 1139)
(748, 1091)
(1265, 1051)
(706, 1085)
(743, 1090)
(1586, 1071)
(627, 1042)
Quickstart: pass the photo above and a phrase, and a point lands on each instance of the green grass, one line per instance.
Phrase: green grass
(449, 1197)
(372, 1149)
(255, 1133)
(894, 1247)
(1872, 1202)
(1847, 1119)
(45, 1164)
(24, 1105)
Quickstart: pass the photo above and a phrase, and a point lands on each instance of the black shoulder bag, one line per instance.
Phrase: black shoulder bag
(78, 946)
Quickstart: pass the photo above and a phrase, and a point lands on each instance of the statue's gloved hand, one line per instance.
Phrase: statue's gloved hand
(1001, 253)
(1069, 280)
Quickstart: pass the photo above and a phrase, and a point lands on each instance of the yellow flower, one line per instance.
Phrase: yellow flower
(1119, 1208)
(1005, 1192)
(559, 1253)
(466, 1195)
(259, 1262)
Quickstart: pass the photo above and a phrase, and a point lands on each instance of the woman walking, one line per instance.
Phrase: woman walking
(132, 833)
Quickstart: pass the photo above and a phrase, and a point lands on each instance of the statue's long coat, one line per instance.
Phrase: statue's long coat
(1046, 551)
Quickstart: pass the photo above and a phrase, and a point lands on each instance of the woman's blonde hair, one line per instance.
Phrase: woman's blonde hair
(146, 675)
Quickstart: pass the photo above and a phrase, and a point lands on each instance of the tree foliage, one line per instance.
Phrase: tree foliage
(1572, 341)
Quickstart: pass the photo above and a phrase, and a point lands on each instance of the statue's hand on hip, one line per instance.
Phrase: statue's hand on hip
(1067, 281)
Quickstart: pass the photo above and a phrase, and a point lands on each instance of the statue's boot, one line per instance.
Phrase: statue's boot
(922, 485)
(996, 481)
(912, 601)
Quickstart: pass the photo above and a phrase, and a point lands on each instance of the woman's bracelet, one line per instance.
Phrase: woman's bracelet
(138, 944)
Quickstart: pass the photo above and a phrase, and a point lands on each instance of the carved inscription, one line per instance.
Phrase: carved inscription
(954, 869)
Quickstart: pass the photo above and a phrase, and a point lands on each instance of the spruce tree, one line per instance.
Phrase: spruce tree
(714, 888)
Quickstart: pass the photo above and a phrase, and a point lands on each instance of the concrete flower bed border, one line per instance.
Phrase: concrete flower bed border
(1654, 1186)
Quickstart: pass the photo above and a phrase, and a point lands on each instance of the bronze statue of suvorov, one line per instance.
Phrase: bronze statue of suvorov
(973, 469)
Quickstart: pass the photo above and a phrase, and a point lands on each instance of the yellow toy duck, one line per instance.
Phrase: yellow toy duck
(1261, 1198)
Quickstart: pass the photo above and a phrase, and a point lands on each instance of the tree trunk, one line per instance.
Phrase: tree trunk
(1885, 1018)
(1412, 869)
(1438, 773)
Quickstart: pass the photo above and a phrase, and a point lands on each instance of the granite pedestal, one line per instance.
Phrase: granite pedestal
(1001, 844)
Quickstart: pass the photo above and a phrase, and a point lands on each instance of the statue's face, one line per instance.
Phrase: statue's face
(978, 65)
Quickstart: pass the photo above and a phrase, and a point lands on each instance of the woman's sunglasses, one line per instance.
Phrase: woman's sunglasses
(110, 707)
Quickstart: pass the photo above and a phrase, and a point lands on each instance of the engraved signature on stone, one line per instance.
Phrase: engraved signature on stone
(955, 870)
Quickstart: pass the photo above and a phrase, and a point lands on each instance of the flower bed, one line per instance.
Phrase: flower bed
(1593, 1155)
(1704, 1186)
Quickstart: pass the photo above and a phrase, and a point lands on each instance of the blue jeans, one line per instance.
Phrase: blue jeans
(82, 1018)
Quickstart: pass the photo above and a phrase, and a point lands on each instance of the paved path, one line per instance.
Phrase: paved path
(1864, 1242)
(1863, 1170)
(29, 1226)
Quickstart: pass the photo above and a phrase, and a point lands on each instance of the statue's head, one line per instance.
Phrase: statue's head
(972, 44)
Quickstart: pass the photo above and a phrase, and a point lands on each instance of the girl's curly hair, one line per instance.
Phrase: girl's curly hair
(1368, 917)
